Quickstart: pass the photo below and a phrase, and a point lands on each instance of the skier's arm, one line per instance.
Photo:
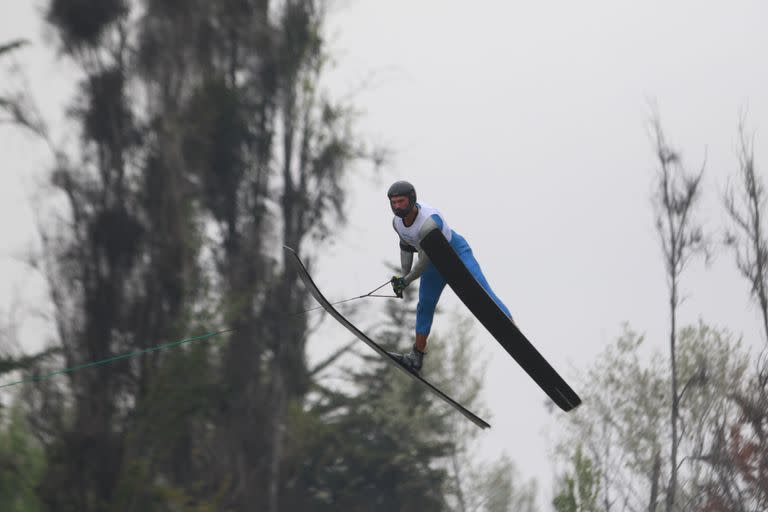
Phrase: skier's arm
(406, 257)
(431, 223)
(416, 272)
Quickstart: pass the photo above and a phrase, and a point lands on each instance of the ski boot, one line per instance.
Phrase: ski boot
(413, 360)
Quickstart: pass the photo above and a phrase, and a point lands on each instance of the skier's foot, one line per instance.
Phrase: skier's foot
(413, 360)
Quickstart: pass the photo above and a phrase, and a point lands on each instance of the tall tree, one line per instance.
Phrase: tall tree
(97, 265)
(681, 237)
(738, 451)
(177, 211)
(745, 204)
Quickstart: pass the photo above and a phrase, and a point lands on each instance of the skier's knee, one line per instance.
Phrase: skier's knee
(426, 308)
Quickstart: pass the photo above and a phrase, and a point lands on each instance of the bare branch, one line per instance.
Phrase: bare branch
(749, 241)
(13, 45)
(332, 358)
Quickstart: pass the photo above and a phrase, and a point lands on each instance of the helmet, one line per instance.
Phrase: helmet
(402, 188)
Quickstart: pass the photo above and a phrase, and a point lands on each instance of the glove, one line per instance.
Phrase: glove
(398, 285)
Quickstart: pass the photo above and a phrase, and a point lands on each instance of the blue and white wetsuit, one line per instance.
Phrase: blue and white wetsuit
(432, 282)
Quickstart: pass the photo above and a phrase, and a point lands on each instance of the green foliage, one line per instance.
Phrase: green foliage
(22, 462)
(372, 446)
(623, 429)
(497, 487)
(373, 458)
(579, 488)
(738, 453)
(457, 366)
(138, 489)
(382, 442)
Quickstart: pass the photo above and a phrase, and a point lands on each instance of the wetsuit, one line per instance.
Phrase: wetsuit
(432, 282)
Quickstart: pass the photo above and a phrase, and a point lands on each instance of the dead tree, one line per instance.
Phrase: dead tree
(681, 238)
(745, 203)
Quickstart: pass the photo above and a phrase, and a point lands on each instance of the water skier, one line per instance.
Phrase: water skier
(412, 222)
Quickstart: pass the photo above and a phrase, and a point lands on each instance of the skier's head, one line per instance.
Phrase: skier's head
(402, 198)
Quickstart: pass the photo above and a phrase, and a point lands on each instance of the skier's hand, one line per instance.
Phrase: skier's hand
(398, 285)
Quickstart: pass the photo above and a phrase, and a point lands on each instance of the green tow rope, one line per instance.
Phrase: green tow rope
(129, 355)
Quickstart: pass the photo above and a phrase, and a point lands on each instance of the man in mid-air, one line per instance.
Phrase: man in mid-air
(412, 222)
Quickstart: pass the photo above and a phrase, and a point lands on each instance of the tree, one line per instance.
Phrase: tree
(738, 453)
(623, 429)
(738, 450)
(177, 204)
(472, 485)
(97, 262)
(579, 489)
(375, 443)
(745, 204)
(500, 489)
(681, 238)
(379, 441)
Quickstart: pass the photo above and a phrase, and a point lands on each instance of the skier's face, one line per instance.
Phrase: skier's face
(398, 203)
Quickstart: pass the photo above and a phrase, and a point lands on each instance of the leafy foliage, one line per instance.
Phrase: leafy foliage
(375, 445)
(579, 489)
(738, 452)
(22, 462)
(623, 428)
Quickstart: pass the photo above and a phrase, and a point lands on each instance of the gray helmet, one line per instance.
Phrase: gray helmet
(402, 188)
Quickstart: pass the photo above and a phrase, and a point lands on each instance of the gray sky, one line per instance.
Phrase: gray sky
(526, 125)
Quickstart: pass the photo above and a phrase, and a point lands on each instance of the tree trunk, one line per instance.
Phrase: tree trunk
(655, 476)
(672, 490)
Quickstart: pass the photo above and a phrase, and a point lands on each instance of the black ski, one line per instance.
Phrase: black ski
(313, 289)
(474, 296)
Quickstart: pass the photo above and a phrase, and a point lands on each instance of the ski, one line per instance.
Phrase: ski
(474, 296)
(315, 291)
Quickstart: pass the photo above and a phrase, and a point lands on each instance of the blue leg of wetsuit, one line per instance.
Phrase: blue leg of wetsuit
(432, 284)
(474, 268)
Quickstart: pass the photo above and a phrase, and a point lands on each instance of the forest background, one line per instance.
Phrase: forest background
(618, 144)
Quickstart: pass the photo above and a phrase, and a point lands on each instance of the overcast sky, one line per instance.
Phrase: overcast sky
(525, 123)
